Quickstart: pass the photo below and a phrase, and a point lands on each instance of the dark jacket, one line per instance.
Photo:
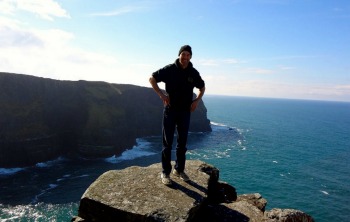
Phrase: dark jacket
(179, 84)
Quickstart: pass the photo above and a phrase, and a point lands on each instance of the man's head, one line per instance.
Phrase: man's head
(185, 48)
(185, 55)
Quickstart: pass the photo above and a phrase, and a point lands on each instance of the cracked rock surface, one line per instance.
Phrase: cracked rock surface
(137, 194)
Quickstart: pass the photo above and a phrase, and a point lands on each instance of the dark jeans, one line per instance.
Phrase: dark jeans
(179, 120)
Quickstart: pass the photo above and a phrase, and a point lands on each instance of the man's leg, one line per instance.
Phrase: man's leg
(183, 123)
(168, 137)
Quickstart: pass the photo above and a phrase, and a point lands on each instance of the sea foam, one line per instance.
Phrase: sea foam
(325, 192)
(10, 171)
(50, 187)
(49, 163)
(141, 149)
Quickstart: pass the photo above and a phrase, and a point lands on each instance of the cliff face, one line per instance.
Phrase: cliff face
(137, 194)
(42, 119)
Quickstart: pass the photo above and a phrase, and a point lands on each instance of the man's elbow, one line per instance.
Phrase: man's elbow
(151, 79)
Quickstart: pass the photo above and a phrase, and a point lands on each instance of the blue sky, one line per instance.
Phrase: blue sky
(296, 49)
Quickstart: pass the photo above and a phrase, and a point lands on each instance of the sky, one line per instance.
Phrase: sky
(295, 49)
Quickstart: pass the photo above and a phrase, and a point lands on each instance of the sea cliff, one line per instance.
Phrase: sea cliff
(42, 119)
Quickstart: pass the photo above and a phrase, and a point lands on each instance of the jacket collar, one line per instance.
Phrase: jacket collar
(178, 65)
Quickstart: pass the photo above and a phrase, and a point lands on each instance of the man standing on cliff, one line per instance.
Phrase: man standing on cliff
(180, 78)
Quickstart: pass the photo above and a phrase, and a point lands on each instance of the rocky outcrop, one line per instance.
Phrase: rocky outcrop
(287, 215)
(137, 194)
(42, 119)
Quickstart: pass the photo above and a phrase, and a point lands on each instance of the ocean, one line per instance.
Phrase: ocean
(295, 153)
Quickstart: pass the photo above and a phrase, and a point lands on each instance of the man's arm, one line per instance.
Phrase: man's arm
(196, 100)
(159, 92)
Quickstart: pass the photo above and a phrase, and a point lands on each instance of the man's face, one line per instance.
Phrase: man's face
(185, 58)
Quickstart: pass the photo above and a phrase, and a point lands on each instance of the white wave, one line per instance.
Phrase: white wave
(240, 144)
(217, 124)
(41, 165)
(36, 198)
(51, 186)
(69, 176)
(275, 161)
(36, 212)
(49, 163)
(325, 192)
(141, 149)
(63, 178)
(9, 171)
(80, 176)
(221, 126)
(209, 154)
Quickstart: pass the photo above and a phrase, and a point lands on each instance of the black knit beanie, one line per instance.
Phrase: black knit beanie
(185, 48)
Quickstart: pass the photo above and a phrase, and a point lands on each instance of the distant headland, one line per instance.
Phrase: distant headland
(42, 119)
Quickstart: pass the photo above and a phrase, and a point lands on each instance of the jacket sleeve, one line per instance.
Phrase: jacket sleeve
(198, 81)
(161, 74)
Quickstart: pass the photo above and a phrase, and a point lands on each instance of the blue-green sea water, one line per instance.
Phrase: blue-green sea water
(294, 153)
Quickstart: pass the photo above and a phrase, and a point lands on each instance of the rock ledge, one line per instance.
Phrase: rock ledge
(136, 194)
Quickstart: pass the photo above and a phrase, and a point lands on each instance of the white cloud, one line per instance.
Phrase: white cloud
(65, 63)
(5, 21)
(343, 87)
(119, 11)
(232, 61)
(45, 9)
(257, 71)
(287, 68)
(263, 71)
(273, 89)
(217, 62)
(12, 35)
(208, 62)
(7, 7)
(49, 53)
